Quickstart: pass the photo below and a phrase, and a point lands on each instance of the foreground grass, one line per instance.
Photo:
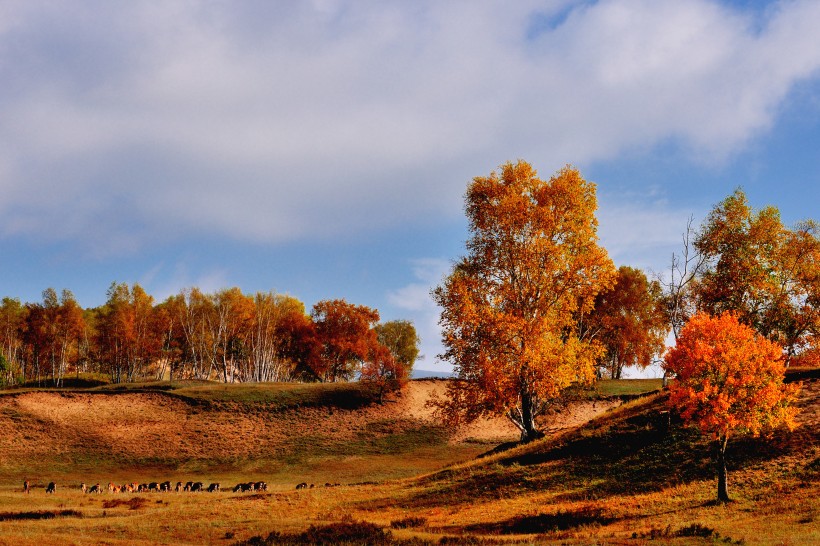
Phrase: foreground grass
(633, 476)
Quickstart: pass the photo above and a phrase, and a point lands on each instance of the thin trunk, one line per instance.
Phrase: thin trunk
(723, 491)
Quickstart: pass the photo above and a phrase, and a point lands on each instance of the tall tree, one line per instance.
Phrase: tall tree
(510, 307)
(729, 379)
(630, 321)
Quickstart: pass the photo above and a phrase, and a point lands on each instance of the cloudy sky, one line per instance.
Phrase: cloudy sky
(322, 148)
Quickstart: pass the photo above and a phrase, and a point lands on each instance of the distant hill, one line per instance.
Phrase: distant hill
(423, 374)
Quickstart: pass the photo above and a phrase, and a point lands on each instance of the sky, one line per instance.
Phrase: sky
(322, 148)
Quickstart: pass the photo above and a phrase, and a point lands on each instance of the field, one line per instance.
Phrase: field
(615, 468)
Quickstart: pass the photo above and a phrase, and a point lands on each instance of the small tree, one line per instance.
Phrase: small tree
(729, 379)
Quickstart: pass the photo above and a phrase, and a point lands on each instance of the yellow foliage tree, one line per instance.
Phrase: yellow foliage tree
(510, 307)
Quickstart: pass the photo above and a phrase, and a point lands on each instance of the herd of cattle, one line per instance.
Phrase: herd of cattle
(166, 487)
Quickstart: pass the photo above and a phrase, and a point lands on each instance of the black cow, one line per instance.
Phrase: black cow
(261, 486)
(52, 487)
(165, 486)
(302, 485)
(188, 486)
(197, 486)
(213, 488)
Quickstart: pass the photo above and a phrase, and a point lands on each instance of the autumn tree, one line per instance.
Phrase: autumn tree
(402, 340)
(764, 272)
(510, 307)
(345, 333)
(629, 320)
(12, 317)
(729, 379)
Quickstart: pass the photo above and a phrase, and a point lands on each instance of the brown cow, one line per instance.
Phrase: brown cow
(83, 488)
(26, 487)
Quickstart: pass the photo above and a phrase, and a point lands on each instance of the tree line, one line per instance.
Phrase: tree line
(227, 335)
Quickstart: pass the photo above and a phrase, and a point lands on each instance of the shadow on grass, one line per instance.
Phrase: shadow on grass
(638, 449)
(39, 514)
(543, 523)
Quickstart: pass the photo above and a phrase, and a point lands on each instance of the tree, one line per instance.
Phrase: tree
(510, 307)
(765, 273)
(729, 379)
(401, 338)
(345, 333)
(629, 320)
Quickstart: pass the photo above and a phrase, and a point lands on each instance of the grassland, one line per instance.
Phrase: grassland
(630, 475)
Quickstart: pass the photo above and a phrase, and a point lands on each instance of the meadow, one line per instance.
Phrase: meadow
(615, 468)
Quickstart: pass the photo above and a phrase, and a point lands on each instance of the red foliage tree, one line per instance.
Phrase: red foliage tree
(728, 379)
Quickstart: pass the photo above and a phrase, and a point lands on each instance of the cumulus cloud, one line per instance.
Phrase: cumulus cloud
(272, 122)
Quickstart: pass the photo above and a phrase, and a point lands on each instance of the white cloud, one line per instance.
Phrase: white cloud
(278, 122)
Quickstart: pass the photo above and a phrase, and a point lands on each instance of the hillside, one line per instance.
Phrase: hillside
(608, 473)
(288, 433)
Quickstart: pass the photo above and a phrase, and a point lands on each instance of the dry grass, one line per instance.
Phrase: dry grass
(627, 477)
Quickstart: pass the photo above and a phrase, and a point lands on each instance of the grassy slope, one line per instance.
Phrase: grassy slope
(629, 472)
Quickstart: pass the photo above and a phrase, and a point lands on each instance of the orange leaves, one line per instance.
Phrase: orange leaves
(509, 308)
(728, 377)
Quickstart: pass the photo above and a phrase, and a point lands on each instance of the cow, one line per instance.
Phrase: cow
(213, 488)
(153, 486)
(178, 488)
(83, 488)
(142, 488)
(197, 486)
(95, 488)
(243, 487)
(165, 486)
(188, 486)
(261, 486)
(131, 487)
(52, 487)
(113, 488)
(302, 485)
(26, 487)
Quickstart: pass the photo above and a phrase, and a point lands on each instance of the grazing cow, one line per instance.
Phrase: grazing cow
(153, 486)
(95, 488)
(131, 487)
(312, 486)
(26, 487)
(143, 488)
(213, 488)
(238, 487)
(83, 488)
(261, 486)
(178, 488)
(165, 486)
(197, 486)
(112, 488)
(302, 485)
(188, 486)
(52, 487)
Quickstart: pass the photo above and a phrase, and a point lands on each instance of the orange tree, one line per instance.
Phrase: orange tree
(630, 321)
(510, 307)
(728, 379)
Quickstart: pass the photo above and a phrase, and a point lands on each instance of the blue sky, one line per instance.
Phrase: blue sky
(322, 148)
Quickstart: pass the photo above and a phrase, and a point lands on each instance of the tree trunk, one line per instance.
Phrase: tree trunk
(529, 431)
(723, 491)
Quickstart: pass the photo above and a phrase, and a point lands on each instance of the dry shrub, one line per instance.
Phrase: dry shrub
(134, 503)
(408, 522)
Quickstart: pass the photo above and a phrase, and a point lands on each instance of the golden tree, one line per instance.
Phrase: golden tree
(510, 306)
(729, 379)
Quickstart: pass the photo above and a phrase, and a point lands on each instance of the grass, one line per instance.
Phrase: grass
(632, 476)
